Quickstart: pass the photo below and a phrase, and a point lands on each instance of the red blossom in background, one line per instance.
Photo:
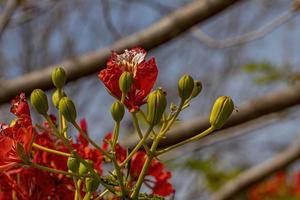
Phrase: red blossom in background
(33, 184)
(278, 186)
(144, 75)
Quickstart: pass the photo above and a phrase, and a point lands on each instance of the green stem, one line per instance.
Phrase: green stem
(137, 127)
(144, 170)
(90, 140)
(152, 153)
(115, 135)
(77, 189)
(192, 139)
(55, 171)
(51, 150)
(102, 194)
(137, 147)
(114, 159)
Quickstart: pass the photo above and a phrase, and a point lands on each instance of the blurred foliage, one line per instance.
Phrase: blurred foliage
(266, 72)
(213, 176)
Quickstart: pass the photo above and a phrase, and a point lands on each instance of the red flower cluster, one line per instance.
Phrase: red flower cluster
(20, 132)
(144, 75)
(29, 183)
(277, 187)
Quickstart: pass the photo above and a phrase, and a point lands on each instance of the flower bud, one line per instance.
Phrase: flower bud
(91, 184)
(185, 86)
(57, 96)
(67, 109)
(117, 111)
(221, 111)
(73, 164)
(59, 77)
(156, 105)
(125, 82)
(39, 101)
(83, 169)
(197, 89)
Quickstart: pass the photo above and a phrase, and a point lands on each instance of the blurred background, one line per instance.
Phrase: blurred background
(246, 51)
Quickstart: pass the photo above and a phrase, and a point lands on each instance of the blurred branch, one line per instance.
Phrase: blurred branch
(248, 37)
(7, 14)
(261, 106)
(108, 21)
(160, 32)
(32, 11)
(259, 172)
(228, 134)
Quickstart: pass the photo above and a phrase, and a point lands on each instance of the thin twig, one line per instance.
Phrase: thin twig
(245, 38)
(259, 172)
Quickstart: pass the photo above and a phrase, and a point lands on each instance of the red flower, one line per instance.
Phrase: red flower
(144, 74)
(21, 132)
(160, 186)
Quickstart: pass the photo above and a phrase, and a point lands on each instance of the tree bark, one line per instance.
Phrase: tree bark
(160, 32)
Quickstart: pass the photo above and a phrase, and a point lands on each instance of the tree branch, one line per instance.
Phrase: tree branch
(248, 37)
(270, 103)
(164, 30)
(7, 13)
(259, 172)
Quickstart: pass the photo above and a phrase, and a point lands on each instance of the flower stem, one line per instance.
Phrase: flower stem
(90, 140)
(115, 135)
(40, 147)
(137, 147)
(144, 169)
(102, 195)
(192, 139)
(70, 148)
(114, 159)
(52, 170)
(155, 143)
(138, 129)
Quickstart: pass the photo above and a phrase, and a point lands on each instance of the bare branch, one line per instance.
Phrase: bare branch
(106, 8)
(164, 30)
(7, 13)
(250, 110)
(248, 37)
(259, 172)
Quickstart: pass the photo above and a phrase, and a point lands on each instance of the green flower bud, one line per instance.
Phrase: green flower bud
(73, 164)
(125, 82)
(91, 184)
(221, 111)
(59, 77)
(67, 109)
(39, 101)
(185, 86)
(117, 111)
(156, 105)
(83, 169)
(197, 89)
(57, 96)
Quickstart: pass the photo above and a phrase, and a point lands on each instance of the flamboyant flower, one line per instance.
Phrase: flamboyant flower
(144, 76)
(20, 132)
